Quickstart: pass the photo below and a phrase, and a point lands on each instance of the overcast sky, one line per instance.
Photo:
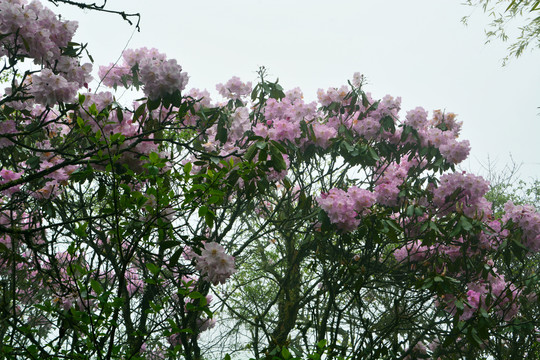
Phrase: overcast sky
(416, 49)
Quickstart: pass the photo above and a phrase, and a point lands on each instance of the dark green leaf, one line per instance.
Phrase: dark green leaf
(153, 268)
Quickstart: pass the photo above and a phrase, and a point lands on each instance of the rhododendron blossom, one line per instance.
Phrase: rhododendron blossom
(158, 75)
(528, 220)
(215, 264)
(234, 88)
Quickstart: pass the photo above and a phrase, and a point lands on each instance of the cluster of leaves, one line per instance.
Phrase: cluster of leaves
(503, 13)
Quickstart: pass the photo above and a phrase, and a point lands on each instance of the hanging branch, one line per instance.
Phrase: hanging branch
(95, 6)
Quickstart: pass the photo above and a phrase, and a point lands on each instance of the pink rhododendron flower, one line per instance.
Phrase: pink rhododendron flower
(49, 88)
(343, 207)
(215, 264)
(469, 191)
(323, 134)
(234, 88)
(528, 220)
(417, 118)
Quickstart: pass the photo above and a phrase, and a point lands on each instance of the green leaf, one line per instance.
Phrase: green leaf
(33, 162)
(96, 286)
(261, 144)
(187, 168)
(410, 211)
(139, 112)
(153, 104)
(511, 5)
(153, 268)
(80, 231)
(287, 183)
(374, 154)
(209, 219)
(285, 353)
(279, 146)
(465, 223)
(203, 210)
(102, 191)
(222, 129)
(119, 114)
(214, 199)
(154, 158)
(277, 159)
(251, 151)
(93, 110)
(176, 257)
(26, 45)
(168, 244)
(80, 122)
(387, 123)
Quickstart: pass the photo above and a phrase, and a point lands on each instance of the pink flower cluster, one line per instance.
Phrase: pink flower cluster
(291, 109)
(215, 264)
(7, 127)
(234, 88)
(502, 298)
(368, 127)
(283, 120)
(451, 249)
(414, 251)
(387, 185)
(323, 134)
(343, 207)
(161, 77)
(469, 190)
(35, 32)
(332, 95)
(203, 101)
(7, 176)
(44, 33)
(417, 118)
(240, 123)
(368, 124)
(528, 220)
(493, 238)
(284, 130)
(388, 105)
(455, 151)
(49, 88)
(158, 75)
(441, 132)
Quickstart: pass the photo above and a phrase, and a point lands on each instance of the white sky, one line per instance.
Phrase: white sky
(416, 49)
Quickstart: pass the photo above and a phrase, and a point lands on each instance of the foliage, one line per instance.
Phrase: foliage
(503, 13)
(335, 229)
